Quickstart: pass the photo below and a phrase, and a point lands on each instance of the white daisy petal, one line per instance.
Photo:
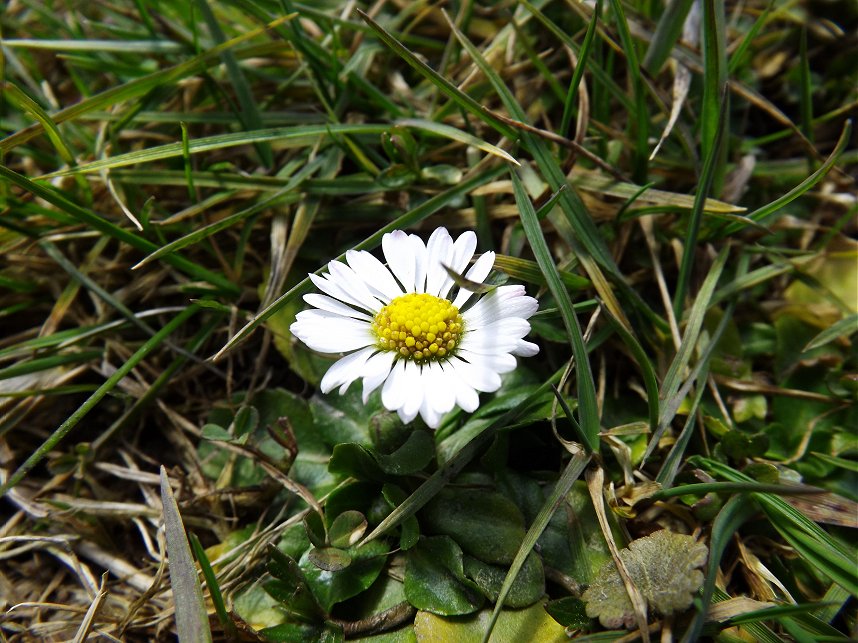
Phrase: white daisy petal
(525, 349)
(429, 414)
(500, 362)
(439, 398)
(415, 390)
(463, 250)
(477, 376)
(335, 306)
(478, 272)
(505, 301)
(374, 273)
(498, 337)
(421, 263)
(466, 397)
(393, 391)
(345, 370)
(439, 250)
(334, 334)
(332, 288)
(376, 370)
(400, 257)
(354, 285)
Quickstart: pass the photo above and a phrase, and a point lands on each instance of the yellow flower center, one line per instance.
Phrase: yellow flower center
(420, 327)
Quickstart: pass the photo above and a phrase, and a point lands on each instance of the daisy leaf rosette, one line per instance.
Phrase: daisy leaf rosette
(408, 328)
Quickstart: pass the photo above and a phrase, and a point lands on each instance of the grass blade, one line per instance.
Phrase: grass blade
(579, 220)
(670, 388)
(809, 539)
(288, 194)
(641, 117)
(588, 408)
(298, 136)
(448, 88)
(48, 445)
(666, 34)
(715, 96)
(733, 515)
(457, 135)
(249, 112)
(226, 623)
(767, 211)
(645, 366)
(844, 328)
(137, 87)
(102, 225)
(192, 622)
(695, 217)
(578, 74)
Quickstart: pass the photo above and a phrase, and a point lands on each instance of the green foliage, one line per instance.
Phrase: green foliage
(171, 172)
(435, 579)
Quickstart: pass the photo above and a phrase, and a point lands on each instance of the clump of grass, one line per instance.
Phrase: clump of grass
(676, 185)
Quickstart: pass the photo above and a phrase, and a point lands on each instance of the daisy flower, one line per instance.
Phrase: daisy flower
(408, 329)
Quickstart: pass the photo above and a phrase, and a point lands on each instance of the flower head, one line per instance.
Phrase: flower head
(408, 328)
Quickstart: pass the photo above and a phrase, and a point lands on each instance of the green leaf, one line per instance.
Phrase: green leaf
(290, 588)
(528, 587)
(329, 559)
(314, 526)
(739, 444)
(485, 524)
(459, 459)
(215, 433)
(347, 528)
(310, 467)
(357, 461)
(343, 418)
(663, 566)
(531, 624)
(435, 580)
(332, 587)
(246, 420)
(573, 470)
(290, 632)
(569, 611)
(411, 457)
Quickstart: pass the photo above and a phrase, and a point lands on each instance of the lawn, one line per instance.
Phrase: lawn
(407, 321)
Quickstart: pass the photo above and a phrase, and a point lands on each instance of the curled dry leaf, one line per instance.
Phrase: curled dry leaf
(665, 568)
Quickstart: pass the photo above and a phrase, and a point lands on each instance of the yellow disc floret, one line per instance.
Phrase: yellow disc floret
(419, 327)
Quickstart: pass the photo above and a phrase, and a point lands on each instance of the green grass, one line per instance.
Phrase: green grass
(171, 172)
